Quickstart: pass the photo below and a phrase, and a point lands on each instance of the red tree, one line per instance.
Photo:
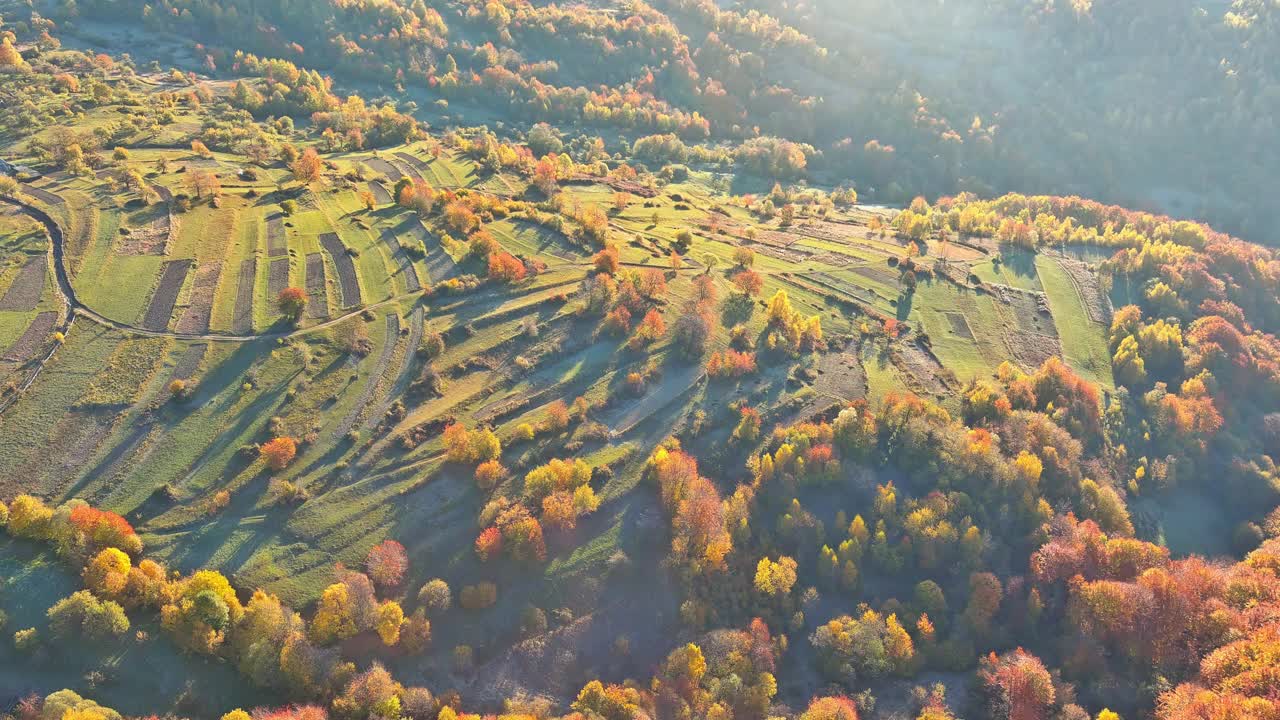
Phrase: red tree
(387, 563)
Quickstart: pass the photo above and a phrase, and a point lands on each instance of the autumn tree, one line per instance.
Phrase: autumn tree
(505, 267)
(775, 578)
(607, 261)
(546, 175)
(1017, 686)
(83, 615)
(389, 620)
(203, 182)
(307, 168)
(831, 707)
(435, 596)
(204, 608)
(292, 301)
(10, 58)
(279, 452)
(748, 282)
(386, 564)
(470, 446)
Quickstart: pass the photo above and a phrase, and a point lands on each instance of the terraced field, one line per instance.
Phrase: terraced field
(183, 293)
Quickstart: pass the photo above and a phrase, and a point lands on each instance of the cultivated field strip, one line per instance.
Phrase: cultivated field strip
(27, 287)
(411, 282)
(190, 361)
(276, 243)
(196, 317)
(348, 282)
(417, 169)
(405, 376)
(317, 298)
(242, 317)
(43, 196)
(166, 295)
(380, 165)
(381, 195)
(26, 346)
(375, 375)
(277, 277)
(153, 236)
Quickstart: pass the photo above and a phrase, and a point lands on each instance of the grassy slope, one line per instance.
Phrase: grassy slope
(1084, 343)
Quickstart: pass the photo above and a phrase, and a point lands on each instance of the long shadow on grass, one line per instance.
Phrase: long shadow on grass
(340, 444)
(222, 380)
(199, 546)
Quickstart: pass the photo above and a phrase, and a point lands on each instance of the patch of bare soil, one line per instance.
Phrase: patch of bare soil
(347, 279)
(923, 367)
(380, 165)
(841, 378)
(242, 316)
(375, 375)
(277, 277)
(837, 232)
(628, 186)
(413, 166)
(1031, 349)
(276, 244)
(959, 325)
(1029, 309)
(152, 236)
(163, 299)
(830, 258)
(878, 272)
(24, 293)
(405, 375)
(196, 317)
(33, 338)
(317, 298)
(402, 260)
(381, 195)
(189, 362)
(776, 238)
(781, 252)
(42, 195)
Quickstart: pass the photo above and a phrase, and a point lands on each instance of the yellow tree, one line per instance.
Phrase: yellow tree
(390, 618)
(775, 578)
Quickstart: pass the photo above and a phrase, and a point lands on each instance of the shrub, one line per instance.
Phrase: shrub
(505, 267)
(82, 614)
(279, 452)
(488, 544)
(489, 474)
(463, 662)
(731, 364)
(435, 596)
(30, 518)
(479, 596)
(415, 632)
(607, 261)
(26, 640)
